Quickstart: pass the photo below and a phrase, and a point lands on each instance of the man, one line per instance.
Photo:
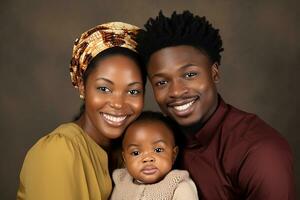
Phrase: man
(230, 154)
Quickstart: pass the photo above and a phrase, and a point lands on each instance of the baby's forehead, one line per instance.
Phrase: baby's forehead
(145, 129)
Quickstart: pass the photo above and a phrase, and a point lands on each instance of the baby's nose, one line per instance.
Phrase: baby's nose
(148, 158)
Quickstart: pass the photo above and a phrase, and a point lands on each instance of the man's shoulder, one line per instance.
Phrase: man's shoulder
(247, 131)
(247, 125)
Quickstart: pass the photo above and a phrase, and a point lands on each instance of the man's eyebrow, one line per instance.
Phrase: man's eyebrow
(182, 67)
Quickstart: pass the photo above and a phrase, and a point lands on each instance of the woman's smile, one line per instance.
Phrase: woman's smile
(114, 120)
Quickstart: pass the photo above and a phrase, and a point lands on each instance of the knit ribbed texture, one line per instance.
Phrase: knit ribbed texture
(125, 189)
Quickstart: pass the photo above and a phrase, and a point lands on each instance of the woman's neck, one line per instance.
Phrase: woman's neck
(92, 132)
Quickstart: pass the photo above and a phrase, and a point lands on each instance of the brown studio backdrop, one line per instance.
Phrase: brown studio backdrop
(259, 68)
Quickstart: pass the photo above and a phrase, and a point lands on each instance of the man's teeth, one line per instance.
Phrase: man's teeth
(113, 118)
(184, 107)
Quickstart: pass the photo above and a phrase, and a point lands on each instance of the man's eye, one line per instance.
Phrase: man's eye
(160, 83)
(134, 92)
(103, 89)
(190, 74)
(158, 150)
(135, 153)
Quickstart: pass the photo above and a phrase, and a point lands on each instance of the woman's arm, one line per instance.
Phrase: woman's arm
(52, 170)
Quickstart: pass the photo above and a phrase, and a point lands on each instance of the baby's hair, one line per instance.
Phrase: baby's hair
(150, 116)
(156, 116)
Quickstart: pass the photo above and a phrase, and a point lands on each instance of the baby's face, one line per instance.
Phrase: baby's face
(149, 151)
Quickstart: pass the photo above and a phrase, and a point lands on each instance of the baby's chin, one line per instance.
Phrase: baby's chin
(147, 181)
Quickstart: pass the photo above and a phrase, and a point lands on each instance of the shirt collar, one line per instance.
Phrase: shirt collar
(204, 135)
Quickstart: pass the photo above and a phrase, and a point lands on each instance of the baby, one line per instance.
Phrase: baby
(149, 152)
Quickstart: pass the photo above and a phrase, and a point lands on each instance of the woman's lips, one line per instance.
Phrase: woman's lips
(114, 120)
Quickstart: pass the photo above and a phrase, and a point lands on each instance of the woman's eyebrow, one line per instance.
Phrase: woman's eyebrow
(105, 79)
(135, 83)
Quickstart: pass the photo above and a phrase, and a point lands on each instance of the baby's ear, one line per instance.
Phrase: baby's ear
(175, 153)
(123, 157)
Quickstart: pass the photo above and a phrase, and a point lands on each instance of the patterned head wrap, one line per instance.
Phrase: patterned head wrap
(96, 40)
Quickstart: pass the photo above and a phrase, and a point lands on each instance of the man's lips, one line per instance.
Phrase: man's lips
(183, 105)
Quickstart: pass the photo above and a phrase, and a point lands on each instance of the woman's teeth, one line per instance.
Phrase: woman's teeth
(114, 118)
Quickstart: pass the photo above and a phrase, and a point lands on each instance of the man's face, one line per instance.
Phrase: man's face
(184, 83)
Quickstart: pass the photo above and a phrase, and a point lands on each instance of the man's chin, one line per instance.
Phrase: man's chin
(184, 121)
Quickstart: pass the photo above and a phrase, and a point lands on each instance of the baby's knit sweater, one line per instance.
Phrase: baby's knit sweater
(126, 189)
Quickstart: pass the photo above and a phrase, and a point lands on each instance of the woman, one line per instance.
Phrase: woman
(72, 161)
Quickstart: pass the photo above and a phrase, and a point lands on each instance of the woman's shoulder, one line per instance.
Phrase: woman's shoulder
(69, 131)
(61, 140)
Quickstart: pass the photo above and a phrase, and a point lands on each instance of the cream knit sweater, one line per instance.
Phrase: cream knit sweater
(175, 186)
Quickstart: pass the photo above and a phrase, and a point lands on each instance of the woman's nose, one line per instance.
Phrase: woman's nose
(117, 102)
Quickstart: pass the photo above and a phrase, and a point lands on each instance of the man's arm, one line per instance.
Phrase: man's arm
(267, 172)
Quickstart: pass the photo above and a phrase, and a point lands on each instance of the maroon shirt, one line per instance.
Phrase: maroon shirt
(236, 155)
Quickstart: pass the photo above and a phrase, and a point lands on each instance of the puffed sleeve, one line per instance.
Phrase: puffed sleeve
(53, 170)
(186, 190)
(267, 172)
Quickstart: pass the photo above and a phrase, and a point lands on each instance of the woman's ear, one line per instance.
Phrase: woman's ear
(175, 153)
(215, 72)
(81, 90)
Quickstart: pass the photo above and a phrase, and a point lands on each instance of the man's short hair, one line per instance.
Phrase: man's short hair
(179, 29)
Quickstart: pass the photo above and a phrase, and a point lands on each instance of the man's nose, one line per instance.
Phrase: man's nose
(177, 88)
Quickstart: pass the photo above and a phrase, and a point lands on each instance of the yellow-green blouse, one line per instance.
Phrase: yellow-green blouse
(65, 165)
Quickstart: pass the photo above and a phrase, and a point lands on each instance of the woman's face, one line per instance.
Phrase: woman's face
(113, 97)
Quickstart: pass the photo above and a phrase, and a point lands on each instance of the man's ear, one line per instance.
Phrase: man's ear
(175, 153)
(215, 72)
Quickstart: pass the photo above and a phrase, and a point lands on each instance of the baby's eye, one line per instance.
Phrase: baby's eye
(103, 89)
(160, 83)
(135, 153)
(134, 92)
(158, 150)
(190, 74)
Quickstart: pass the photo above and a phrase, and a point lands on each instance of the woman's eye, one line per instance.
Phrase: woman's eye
(190, 74)
(134, 92)
(158, 150)
(160, 83)
(135, 153)
(103, 89)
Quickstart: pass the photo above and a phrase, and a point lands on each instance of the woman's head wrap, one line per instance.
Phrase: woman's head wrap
(96, 40)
